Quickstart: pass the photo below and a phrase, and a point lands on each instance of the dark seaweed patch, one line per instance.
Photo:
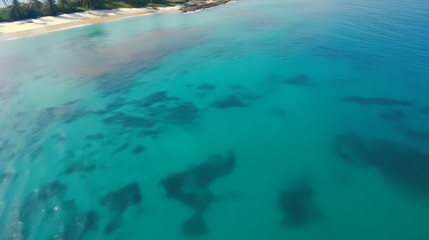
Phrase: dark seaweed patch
(97, 136)
(402, 165)
(376, 101)
(112, 225)
(157, 97)
(393, 116)
(413, 134)
(67, 113)
(80, 224)
(191, 188)
(228, 102)
(80, 167)
(129, 121)
(138, 149)
(279, 111)
(206, 87)
(152, 132)
(50, 190)
(120, 149)
(298, 80)
(121, 199)
(194, 226)
(181, 113)
(424, 110)
(236, 86)
(37, 200)
(7, 177)
(297, 204)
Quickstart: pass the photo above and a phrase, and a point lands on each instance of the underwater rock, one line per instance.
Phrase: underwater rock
(194, 226)
(36, 201)
(50, 190)
(120, 149)
(297, 204)
(97, 136)
(115, 105)
(402, 165)
(393, 116)
(279, 111)
(113, 225)
(376, 101)
(152, 132)
(138, 149)
(424, 110)
(191, 187)
(227, 102)
(298, 80)
(7, 177)
(129, 121)
(118, 201)
(157, 97)
(79, 167)
(236, 86)
(180, 114)
(206, 87)
(80, 224)
(412, 134)
(121, 199)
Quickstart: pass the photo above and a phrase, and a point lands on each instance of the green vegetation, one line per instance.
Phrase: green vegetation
(16, 10)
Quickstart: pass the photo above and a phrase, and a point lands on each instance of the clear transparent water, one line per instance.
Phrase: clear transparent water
(322, 103)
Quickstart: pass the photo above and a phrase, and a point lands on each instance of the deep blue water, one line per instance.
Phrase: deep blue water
(253, 120)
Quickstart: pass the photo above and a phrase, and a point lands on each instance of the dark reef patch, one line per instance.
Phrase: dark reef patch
(130, 121)
(424, 110)
(80, 167)
(298, 80)
(194, 226)
(412, 134)
(191, 188)
(236, 86)
(297, 205)
(66, 113)
(7, 177)
(156, 97)
(180, 113)
(80, 224)
(279, 111)
(36, 202)
(393, 116)
(138, 149)
(228, 102)
(97, 136)
(120, 149)
(402, 165)
(152, 132)
(121, 199)
(113, 225)
(376, 101)
(206, 87)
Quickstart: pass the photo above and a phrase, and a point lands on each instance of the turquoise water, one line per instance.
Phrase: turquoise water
(253, 120)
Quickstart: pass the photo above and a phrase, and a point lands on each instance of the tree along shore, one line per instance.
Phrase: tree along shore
(17, 10)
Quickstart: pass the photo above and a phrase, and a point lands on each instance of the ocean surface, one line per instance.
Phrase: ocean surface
(276, 119)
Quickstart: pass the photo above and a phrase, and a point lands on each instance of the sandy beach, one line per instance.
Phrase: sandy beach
(24, 28)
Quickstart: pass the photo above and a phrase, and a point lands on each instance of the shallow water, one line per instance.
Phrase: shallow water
(253, 120)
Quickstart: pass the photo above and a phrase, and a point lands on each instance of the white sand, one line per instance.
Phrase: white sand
(31, 27)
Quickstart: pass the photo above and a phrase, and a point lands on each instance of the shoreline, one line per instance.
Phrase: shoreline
(33, 27)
